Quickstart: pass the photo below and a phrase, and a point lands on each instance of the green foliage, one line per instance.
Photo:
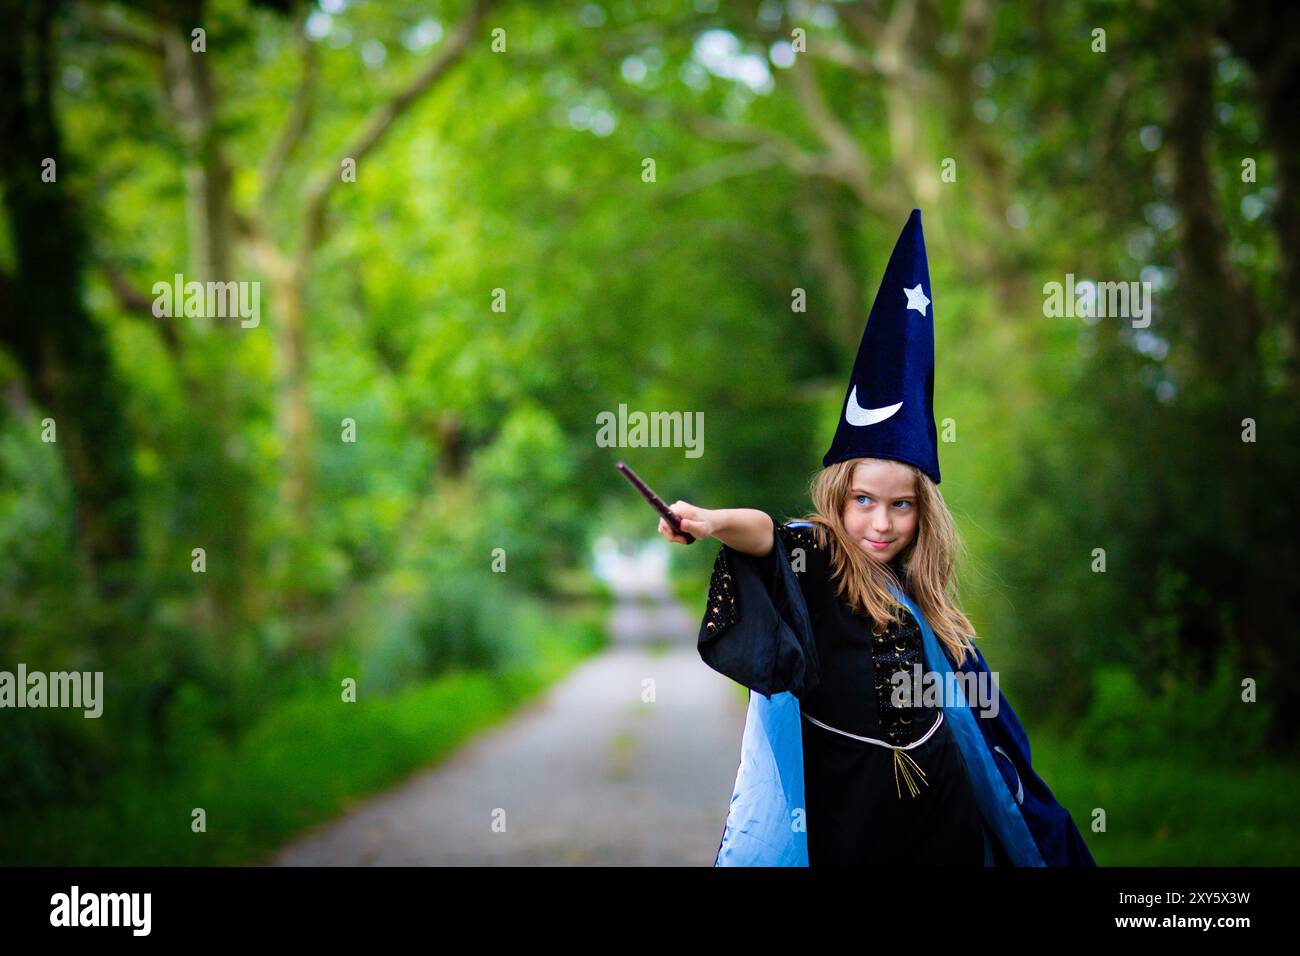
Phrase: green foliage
(458, 621)
(524, 505)
(1172, 808)
(1210, 726)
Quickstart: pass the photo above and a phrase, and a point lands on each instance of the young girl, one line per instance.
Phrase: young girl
(842, 762)
(884, 781)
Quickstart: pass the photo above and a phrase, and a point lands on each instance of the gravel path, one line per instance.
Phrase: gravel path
(590, 774)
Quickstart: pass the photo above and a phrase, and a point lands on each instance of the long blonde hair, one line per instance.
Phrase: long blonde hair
(929, 560)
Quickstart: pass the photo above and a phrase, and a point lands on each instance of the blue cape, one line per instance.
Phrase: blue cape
(1030, 827)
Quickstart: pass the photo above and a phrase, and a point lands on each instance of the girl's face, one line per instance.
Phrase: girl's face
(880, 514)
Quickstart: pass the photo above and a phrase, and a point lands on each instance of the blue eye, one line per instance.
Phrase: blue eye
(859, 499)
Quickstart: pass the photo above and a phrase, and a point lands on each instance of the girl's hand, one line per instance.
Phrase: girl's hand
(698, 521)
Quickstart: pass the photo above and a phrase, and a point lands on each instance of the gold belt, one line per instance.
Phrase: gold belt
(901, 758)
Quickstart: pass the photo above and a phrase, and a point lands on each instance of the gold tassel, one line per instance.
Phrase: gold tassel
(901, 760)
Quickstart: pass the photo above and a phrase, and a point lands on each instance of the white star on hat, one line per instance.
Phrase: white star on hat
(916, 299)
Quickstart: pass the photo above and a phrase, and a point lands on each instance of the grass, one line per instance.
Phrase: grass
(1175, 810)
(306, 762)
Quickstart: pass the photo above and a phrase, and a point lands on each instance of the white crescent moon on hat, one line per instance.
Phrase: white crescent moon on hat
(855, 414)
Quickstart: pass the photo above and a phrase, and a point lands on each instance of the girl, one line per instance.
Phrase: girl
(840, 764)
(884, 780)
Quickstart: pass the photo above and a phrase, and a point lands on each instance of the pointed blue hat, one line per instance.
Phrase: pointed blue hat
(888, 409)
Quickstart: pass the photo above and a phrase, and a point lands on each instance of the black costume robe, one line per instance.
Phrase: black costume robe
(813, 659)
(861, 810)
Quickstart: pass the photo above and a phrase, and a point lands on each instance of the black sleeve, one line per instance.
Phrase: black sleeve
(810, 562)
(756, 628)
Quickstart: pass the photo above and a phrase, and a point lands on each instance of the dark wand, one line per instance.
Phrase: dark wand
(656, 501)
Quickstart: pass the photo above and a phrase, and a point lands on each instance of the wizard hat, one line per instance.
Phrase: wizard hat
(888, 411)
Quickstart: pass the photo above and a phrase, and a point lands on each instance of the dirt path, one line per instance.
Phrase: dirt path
(590, 775)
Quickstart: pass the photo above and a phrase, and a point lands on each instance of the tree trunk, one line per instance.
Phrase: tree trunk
(1266, 39)
(62, 351)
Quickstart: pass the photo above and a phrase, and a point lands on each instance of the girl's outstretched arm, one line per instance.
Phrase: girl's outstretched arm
(745, 529)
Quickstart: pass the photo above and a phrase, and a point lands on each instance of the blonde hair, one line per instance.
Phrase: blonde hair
(929, 559)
